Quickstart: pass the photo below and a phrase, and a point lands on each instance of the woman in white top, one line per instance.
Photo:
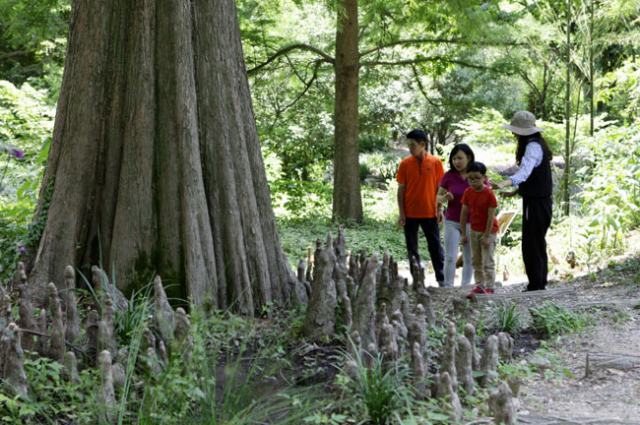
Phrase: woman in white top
(532, 182)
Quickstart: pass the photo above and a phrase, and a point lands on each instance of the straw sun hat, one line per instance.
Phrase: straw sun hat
(523, 123)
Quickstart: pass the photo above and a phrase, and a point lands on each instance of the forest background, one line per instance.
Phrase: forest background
(457, 69)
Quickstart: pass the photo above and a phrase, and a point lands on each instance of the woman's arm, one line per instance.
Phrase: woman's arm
(533, 156)
(443, 195)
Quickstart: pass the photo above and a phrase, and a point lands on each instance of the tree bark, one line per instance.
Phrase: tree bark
(155, 163)
(347, 200)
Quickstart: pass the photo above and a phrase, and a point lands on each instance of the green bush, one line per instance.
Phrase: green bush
(372, 143)
(609, 175)
(384, 165)
(380, 388)
(553, 320)
(364, 171)
(485, 127)
(301, 199)
(620, 90)
(26, 123)
(508, 318)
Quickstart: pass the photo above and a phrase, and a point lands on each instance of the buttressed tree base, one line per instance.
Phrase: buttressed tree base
(155, 165)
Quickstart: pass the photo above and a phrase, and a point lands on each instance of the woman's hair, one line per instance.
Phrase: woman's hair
(523, 141)
(466, 150)
(477, 167)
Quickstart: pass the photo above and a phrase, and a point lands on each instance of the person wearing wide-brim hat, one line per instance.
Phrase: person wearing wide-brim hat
(532, 182)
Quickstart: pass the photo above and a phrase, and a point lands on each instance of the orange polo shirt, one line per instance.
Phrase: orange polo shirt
(421, 180)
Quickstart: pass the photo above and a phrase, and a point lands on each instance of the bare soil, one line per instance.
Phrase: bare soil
(608, 394)
(559, 390)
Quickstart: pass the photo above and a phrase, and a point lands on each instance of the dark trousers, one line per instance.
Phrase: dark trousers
(431, 231)
(536, 219)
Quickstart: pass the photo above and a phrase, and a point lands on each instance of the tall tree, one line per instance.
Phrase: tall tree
(347, 200)
(155, 165)
(369, 34)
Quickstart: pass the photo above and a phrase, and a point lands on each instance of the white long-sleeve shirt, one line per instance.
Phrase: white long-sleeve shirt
(533, 155)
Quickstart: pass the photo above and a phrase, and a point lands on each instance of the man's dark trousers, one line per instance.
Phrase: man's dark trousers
(431, 231)
(536, 220)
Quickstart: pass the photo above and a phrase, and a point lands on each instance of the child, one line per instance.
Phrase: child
(484, 228)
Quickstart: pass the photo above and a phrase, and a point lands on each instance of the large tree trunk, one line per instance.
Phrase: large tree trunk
(155, 165)
(347, 201)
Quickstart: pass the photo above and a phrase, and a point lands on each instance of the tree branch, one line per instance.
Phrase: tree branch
(433, 59)
(287, 49)
(421, 87)
(279, 111)
(530, 83)
(16, 53)
(436, 41)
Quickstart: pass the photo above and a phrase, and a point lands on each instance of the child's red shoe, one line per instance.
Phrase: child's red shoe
(477, 290)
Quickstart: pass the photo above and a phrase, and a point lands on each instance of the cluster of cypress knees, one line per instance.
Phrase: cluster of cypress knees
(386, 320)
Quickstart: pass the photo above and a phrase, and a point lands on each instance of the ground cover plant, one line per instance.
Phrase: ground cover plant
(458, 70)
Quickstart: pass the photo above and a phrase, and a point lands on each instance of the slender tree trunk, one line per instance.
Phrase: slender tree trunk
(543, 96)
(155, 163)
(347, 200)
(567, 140)
(592, 92)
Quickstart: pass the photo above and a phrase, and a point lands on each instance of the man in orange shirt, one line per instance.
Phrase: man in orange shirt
(418, 177)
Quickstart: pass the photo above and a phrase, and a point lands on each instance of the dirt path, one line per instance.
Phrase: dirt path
(563, 387)
(557, 388)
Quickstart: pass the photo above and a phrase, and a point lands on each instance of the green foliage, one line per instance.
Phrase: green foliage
(608, 172)
(33, 36)
(372, 143)
(126, 323)
(380, 388)
(525, 370)
(364, 171)
(620, 90)
(552, 320)
(50, 397)
(383, 165)
(296, 236)
(233, 376)
(508, 318)
(303, 145)
(483, 127)
(26, 122)
(238, 390)
(302, 199)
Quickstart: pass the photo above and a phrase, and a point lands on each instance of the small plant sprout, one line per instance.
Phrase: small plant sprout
(508, 318)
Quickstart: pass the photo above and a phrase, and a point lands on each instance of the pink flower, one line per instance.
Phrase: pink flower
(22, 250)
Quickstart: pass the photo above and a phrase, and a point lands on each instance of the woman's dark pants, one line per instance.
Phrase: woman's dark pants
(536, 219)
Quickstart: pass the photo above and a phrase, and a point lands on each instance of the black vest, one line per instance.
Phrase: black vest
(539, 184)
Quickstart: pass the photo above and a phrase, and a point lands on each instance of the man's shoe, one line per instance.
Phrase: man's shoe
(477, 290)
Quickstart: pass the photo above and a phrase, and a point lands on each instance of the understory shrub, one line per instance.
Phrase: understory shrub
(508, 318)
(26, 123)
(383, 165)
(608, 176)
(552, 320)
(380, 387)
(372, 143)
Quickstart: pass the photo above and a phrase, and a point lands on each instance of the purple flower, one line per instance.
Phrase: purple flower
(22, 250)
(16, 153)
